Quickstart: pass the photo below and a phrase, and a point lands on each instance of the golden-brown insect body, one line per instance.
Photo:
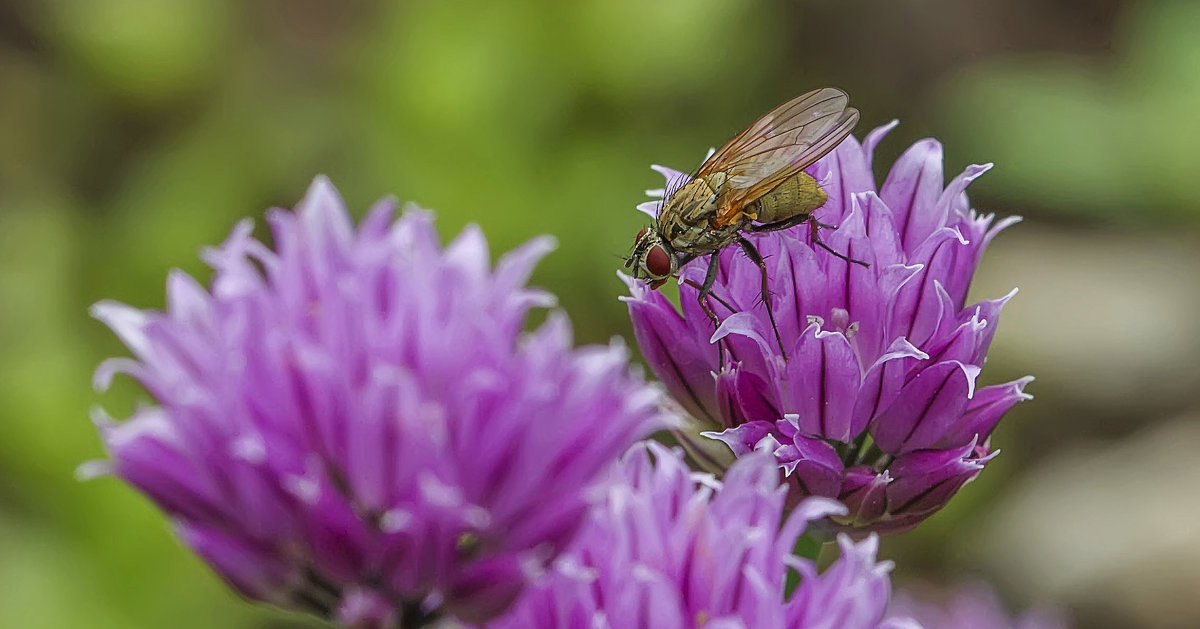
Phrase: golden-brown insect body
(795, 196)
(688, 223)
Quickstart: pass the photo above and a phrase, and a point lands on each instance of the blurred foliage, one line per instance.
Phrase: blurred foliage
(135, 132)
(1112, 138)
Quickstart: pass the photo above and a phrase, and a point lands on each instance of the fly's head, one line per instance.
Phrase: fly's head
(652, 258)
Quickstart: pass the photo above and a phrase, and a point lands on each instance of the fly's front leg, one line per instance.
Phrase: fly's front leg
(705, 290)
(709, 278)
(757, 258)
(715, 296)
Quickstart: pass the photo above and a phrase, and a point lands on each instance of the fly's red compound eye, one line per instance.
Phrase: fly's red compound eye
(658, 261)
(642, 234)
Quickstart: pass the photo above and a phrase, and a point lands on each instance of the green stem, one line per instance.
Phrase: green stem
(809, 548)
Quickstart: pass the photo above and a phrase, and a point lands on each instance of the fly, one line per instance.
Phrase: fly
(754, 183)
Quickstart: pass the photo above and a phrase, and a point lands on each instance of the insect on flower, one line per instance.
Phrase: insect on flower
(755, 182)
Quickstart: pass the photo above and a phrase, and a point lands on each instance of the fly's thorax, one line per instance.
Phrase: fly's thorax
(686, 222)
(797, 195)
(693, 203)
(698, 238)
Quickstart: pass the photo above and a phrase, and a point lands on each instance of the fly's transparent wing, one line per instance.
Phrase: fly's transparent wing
(778, 145)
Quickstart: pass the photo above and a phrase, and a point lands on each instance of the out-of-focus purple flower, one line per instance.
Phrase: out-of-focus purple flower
(876, 404)
(673, 549)
(354, 423)
(972, 606)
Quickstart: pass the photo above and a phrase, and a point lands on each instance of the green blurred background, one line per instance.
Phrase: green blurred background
(134, 132)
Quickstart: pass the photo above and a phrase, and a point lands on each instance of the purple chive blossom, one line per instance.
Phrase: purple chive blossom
(673, 549)
(877, 403)
(354, 424)
(973, 606)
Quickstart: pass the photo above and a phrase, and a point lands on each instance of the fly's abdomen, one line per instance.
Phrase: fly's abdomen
(796, 195)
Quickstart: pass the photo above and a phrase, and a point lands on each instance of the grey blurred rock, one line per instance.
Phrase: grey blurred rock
(1111, 530)
(1108, 320)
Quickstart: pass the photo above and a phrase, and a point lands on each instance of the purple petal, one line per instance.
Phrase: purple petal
(850, 594)
(912, 189)
(486, 589)
(880, 227)
(926, 480)
(378, 221)
(743, 439)
(864, 492)
(989, 312)
(882, 383)
(926, 408)
(853, 287)
(650, 208)
(323, 215)
(249, 568)
(812, 464)
(984, 411)
(746, 325)
(813, 509)
(848, 173)
(952, 340)
(128, 323)
(682, 362)
(822, 384)
(916, 311)
(514, 268)
(365, 609)
(873, 138)
(744, 396)
(954, 196)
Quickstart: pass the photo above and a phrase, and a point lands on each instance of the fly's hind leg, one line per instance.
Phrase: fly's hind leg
(757, 258)
(816, 238)
(779, 225)
(814, 224)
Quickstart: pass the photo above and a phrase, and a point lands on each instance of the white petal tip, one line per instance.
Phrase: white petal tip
(90, 470)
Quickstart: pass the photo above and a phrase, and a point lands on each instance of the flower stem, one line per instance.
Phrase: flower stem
(809, 548)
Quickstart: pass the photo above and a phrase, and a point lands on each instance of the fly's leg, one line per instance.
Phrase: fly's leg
(709, 279)
(814, 224)
(778, 225)
(715, 296)
(757, 258)
(705, 289)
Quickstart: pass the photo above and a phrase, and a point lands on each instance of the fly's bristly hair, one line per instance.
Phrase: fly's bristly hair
(636, 250)
(673, 186)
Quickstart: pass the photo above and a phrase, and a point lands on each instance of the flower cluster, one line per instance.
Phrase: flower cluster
(672, 549)
(875, 401)
(355, 425)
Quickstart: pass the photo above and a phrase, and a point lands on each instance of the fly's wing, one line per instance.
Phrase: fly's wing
(778, 145)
